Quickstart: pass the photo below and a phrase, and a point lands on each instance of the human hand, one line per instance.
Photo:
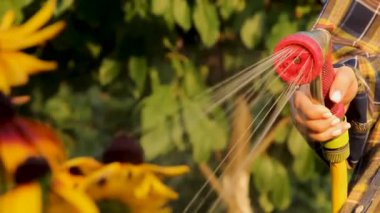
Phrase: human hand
(315, 121)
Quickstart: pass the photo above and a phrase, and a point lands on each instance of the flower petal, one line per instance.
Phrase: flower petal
(30, 63)
(66, 198)
(25, 196)
(13, 71)
(166, 170)
(39, 37)
(82, 165)
(13, 149)
(33, 24)
(43, 139)
(7, 20)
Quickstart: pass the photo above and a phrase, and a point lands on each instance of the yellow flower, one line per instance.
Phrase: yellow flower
(26, 146)
(65, 197)
(16, 66)
(139, 187)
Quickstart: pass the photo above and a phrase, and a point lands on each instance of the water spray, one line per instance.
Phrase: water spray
(319, 73)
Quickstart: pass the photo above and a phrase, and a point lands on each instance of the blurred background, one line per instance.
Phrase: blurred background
(124, 65)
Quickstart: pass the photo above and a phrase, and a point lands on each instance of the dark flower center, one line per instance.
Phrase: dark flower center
(124, 149)
(31, 169)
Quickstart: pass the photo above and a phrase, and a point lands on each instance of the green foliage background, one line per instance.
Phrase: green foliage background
(128, 65)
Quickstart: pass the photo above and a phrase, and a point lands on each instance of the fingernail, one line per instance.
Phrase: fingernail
(335, 121)
(347, 125)
(336, 132)
(336, 96)
(327, 114)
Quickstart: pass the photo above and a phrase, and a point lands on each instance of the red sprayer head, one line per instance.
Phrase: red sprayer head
(308, 61)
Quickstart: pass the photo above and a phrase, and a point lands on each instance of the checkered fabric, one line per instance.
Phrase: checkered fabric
(355, 30)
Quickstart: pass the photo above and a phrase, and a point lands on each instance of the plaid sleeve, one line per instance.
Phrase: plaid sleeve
(355, 30)
(360, 113)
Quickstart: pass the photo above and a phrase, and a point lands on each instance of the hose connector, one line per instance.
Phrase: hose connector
(337, 149)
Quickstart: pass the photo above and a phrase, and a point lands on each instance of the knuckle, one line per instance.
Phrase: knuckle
(319, 137)
(316, 126)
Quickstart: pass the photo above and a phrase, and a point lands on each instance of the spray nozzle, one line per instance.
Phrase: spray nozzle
(303, 51)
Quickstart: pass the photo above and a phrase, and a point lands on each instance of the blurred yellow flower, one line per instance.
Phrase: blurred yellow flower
(16, 66)
(28, 149)
(139, 187)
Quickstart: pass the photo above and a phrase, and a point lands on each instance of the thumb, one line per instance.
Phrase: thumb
(344, 86)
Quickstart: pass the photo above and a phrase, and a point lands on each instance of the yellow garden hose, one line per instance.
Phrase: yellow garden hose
(338, 185)
(336, 152)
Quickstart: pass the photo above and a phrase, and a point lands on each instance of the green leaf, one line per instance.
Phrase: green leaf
(59, 110)
(206, 22)
(15, 5)
(160, 122)
(265, 203)
(280, 195)
(181, 13)
(135, 7)
(94, 48)
(205, 134)
(296, 143)
(59, 107)
(63, 6)
(227, 7)
(251, 31)
(304, 164)
(192, 80)
(282, 28)
(263, 174)
(138, 70)
(108, 71)
(281, 134)
(160, 7)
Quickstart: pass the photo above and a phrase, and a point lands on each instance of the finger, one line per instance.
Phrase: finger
(330, 133)
(321, 125)
(344, 86)
(309, 110)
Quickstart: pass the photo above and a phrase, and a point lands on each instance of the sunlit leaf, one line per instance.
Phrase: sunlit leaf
(160, 121)
(302, 10)
(205, 134)
(263, 174)
(265, 203)
(63, 6)
(138, 70)
(159, 7)
(251, 31)
(227, 7)
(280, 195)
(281, 134)
(181, 12)
(206, 22)
(192, 80)
(15, 5)
(109, 70)
(296, 143)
